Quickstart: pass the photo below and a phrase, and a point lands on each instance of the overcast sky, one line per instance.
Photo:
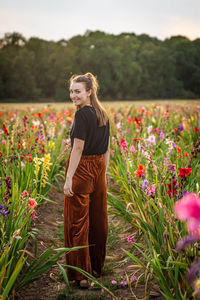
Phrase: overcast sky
(58, 19)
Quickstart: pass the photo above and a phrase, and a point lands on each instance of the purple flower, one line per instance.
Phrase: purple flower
(8, 183)
(4, 212)
(180, 127)
(114, 282)
(144, 184)
(193, 271)
(1, 207)
(162, 135)
(173, 145)
(186, 241)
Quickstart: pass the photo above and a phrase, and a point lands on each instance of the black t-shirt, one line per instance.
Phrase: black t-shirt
(85, 127)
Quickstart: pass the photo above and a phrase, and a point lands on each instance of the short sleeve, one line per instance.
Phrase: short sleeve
(79, 126)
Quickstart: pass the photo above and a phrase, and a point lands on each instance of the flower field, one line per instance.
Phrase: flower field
(154, 162)
(31, 144)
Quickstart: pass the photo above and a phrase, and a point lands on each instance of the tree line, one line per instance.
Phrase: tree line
(128, 66)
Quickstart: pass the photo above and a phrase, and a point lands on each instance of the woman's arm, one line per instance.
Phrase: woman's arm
(107, 156)
(73, 164)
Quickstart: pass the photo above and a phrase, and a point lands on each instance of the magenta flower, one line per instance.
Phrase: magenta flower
(114, 282)
(3, 142)
(124, 283)
(188, 209)
(130, 239)
(123, 144)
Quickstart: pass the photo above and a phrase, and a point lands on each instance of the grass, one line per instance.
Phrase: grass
(71, 295)
(116, 104)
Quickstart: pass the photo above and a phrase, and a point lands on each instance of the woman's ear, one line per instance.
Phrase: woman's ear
(89, 92)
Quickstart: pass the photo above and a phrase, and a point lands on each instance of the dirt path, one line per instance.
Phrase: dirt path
(50, 286)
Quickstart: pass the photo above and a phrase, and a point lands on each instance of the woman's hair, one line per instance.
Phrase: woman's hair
(91, 83)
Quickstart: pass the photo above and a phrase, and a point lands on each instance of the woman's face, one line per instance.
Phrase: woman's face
(79, 95)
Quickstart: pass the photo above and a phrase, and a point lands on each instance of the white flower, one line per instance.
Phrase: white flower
(36, 122)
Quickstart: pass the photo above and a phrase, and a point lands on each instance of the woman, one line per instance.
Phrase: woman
(85, 205)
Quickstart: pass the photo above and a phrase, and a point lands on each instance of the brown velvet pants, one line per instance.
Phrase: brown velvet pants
(85, 217)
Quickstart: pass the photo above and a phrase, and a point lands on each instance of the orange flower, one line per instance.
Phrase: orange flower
(129, 120)
(186, 154)
(140, 171)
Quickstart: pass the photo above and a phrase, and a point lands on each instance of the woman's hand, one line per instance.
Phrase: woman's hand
(68, 187)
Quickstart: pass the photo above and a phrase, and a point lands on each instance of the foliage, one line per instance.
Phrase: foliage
(128, 66)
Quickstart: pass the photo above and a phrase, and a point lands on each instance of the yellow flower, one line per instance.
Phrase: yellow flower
(51, 144)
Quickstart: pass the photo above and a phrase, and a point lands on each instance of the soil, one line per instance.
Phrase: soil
(51, 286)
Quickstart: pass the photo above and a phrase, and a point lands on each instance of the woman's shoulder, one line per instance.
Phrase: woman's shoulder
(85, 110)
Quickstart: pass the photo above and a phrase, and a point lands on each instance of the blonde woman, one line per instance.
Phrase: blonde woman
(85, 189)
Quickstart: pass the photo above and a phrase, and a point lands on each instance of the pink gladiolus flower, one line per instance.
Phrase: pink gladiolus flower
(133, 278)
(149, 129)
(132, 149)
(150, 190)
(151, 139)
(114, 282)
(3, 142)
(22, 164)
(127, 130)
(123, 144)
(188, 209)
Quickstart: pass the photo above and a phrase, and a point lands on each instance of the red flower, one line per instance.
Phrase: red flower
(28, 156)
(156, 130)
(140, 171)
(184, 172)
(136, 140)
(39, 114)
(186, 154)
(5, 130)
(172, 188)
(137, 121)
(176, 130)
(178, 149)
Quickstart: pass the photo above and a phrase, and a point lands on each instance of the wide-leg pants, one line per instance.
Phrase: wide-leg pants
(85, 217)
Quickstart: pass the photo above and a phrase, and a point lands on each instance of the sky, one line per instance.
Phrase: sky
(63, 19)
